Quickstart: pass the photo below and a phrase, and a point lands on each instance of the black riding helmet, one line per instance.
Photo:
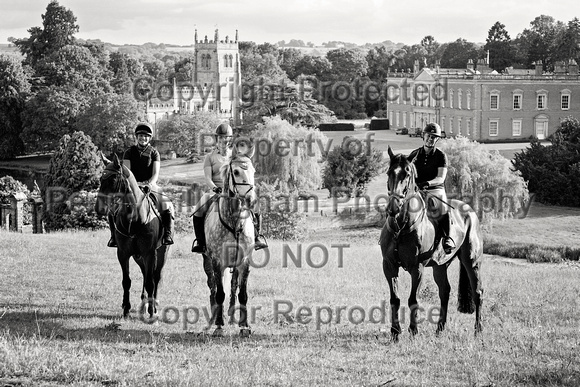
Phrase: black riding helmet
(144, 128)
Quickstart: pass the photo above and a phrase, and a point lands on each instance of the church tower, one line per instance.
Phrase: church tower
(216, 75)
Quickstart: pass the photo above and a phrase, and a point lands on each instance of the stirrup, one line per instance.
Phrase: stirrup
(112, 243)
(197, 248)
(258, 244)
(448, 245)
(167, 240)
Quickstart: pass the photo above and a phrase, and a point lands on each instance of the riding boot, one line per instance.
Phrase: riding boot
(112, 241)
(258, 244)
(167, 220)
(198, 227)
(448, 243)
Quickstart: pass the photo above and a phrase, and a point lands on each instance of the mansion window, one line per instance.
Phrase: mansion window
(493, 128)
(468, 102)
(467, 127)
(516, 127)
(565, 100)
(541, 99)
(451, 99)
(459, 95)
(459, 126)
(494, 101)
(517, 101)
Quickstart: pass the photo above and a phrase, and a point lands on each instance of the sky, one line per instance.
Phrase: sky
(316, 21)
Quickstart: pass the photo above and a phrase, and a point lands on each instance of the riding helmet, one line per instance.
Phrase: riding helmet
(224, 129)
(433, 129)
(144, 128)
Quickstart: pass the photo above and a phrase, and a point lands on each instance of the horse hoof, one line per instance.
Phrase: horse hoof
(413, 331)
(218, 332)
(395, 337)
(245, 332)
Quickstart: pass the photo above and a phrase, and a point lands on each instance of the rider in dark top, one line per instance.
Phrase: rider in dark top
(431, 164)
(144, 161)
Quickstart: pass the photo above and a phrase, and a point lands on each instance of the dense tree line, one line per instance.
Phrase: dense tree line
(63, 84)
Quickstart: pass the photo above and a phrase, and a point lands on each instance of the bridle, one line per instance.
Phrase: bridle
(404, 198)
(233, 184)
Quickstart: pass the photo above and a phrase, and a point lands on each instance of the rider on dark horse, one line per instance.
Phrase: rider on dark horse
(431, 165)
(144, 161)
(211, 167)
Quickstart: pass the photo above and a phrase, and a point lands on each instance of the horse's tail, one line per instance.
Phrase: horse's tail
(465, 302)
(471, 250)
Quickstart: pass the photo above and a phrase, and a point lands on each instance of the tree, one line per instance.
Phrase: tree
(538, 42)
(109, 120)
(290, 169)
(289, 57)
(499, 45)
(568, 42)
(49, 115)
(431, 47)
(347, 64)
(59, 27)
(75, 67)
(485, 180)
(259, 64)
(350, 167)
(458, 53)
(184, 131)
(289, 102)
(14, 89)
(74, 168)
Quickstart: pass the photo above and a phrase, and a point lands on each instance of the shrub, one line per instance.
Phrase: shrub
(73, 173)
(553, 172)
(293, 169)
(485, 180)
(350, 167)
(279, 219)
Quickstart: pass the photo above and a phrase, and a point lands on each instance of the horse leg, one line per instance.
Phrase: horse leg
(440, 276)
(243, 299)
(416, 277)
(211, 283)
(149, 283)
(220, 296)
(161, 256)
(124, 261)
(392, 276)
(234, 288)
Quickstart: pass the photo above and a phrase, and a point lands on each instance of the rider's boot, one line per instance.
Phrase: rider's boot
(167, 220)
(446, 224)
(198, 227)
(112, 241)
(258, 244)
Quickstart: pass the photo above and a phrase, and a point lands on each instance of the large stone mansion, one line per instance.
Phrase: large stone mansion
(483, 105)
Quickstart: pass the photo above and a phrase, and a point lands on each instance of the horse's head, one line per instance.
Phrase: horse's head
(238, 177)
(400, 182)
(113, 182)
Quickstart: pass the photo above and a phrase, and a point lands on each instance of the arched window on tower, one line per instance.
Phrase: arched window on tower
(231, 58)
(226, 61)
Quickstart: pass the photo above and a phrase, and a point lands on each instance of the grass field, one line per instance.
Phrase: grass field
(60, 324)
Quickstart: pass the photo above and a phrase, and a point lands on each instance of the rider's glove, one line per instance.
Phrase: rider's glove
(217, 190)
(423, 185)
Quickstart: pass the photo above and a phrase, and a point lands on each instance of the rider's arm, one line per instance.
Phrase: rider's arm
(208, 172)
(155, 175)
(440, 178)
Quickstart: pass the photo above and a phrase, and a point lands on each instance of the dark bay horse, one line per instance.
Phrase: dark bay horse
(410, 240)
(229, 230)
(138, 231)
